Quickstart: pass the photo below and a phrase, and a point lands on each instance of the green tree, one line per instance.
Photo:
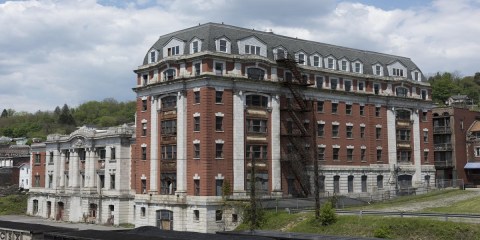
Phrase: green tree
(443, 86)
(4, 113)
(66, 116)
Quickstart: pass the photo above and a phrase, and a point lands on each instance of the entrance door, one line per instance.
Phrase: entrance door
(60, 211)
(49, 209)
(164, 219)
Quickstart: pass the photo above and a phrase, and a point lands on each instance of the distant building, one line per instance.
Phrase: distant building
(12, 157)
(83, 177)
(450, 128)
(25, 176)
(472, 168)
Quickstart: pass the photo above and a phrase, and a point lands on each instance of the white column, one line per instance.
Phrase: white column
(392, 138)
(74, 173)
(275, 145)
(90, 168)
(153, 146)
(238, 144)
(181, 143)
(274, 75)
(62, 169)
(416, 148)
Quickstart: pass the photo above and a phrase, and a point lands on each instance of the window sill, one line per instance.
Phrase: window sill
(219, 103)
(219, 158)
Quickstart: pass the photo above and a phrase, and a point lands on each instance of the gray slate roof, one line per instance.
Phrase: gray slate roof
(209, 32)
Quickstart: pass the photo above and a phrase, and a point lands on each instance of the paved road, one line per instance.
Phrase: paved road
(38, 220)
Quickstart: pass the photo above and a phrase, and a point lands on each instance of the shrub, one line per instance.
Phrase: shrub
(327, 214)
(382, 232)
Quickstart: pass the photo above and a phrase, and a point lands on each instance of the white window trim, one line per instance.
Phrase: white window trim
(228, 45)
(264, 76)
(347, 65)
(156, 56)
(358, 84)
(199, 45)
(419, 75)
(312, 60)
(334, 63)
(374, 69)
(280, 48)
(351, 84)
(224, 71)
(297, 58)
(361, 67)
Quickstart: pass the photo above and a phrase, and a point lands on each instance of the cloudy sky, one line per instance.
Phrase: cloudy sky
(73, 51)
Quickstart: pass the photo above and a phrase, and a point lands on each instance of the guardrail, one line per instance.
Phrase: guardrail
(360, 213)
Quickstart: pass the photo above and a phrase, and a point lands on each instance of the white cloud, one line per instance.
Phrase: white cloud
(55, 52)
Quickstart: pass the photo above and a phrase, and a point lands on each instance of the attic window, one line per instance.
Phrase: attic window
(153, 57)
(344, 65)
(316, 61)
(330, 63)
(357, 67)
(250, 49)
(173, 51)
(301, 59)
(397, 72)
(195, 47)
(223, 45)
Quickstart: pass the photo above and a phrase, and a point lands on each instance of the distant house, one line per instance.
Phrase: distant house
(11, 158)
(24, 176)
(459, 100)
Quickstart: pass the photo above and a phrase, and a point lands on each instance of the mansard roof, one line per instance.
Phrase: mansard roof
(211, 31)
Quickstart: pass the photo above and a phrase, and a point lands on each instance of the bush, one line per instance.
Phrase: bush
(327, 214)
(382, 232)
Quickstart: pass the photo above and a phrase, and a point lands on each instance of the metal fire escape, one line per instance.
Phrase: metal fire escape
(300, 132)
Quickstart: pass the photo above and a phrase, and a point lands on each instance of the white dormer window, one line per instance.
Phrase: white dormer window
(330, 63)
(174, 47)
(397, 69)
(416, 75)
(315, 61)
(397, 72)
(152, 56)
(171, 51)
(358, 67)
(344, 65)
(300, 57)
(195, 46)
(280, 53)
(377, 69)
(223, 45)
(251, 49)
(252, 45)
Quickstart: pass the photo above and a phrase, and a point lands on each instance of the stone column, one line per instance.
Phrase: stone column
(90, 168)
(275, 145)
(238, 144)
(181, 143)
(154, 146)
(392, 138)
(416, 148)
(74, 174)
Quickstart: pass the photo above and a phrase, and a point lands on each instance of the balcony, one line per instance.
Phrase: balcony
(404, 123)
(443, 147)
(403, 144)
(442, 130)
(443, 164)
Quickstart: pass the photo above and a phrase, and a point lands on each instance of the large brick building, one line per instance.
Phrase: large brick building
(213, 97)
(214, 101)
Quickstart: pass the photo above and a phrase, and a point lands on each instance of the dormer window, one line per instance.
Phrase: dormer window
(195, 47)
(301, 59)
(397, 72)
(171, 51)
(315, 61)
(416, 75)
(223, 45)
(153, 56)
(280, 54)
(330, 62)
(344, 65)
(378, 70)
(357, 67)
(250, 49)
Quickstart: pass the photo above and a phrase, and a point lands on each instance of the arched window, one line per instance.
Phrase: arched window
(403, 115)
(169, 74)
(256, 73)
(257, 101)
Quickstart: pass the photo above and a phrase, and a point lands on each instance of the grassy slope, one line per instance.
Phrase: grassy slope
(13, 204)
(385, 227)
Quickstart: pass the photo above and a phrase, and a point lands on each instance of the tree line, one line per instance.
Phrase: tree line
(448, 84)
(65, 119)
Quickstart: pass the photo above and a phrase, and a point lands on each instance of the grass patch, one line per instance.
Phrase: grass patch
(392, 228)
(13, 205)
(277, 220)
(431, 196)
